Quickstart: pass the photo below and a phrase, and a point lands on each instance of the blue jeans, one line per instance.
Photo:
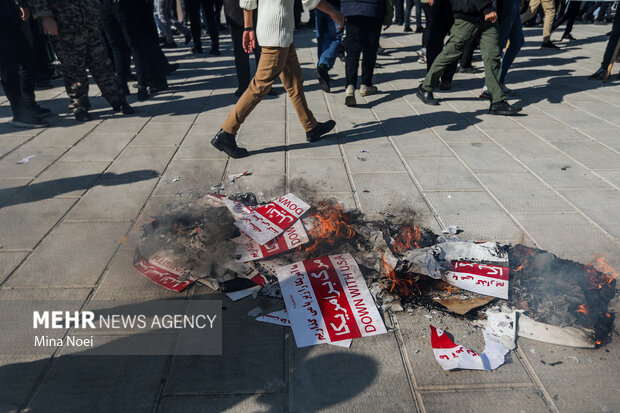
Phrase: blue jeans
(510, 29)
(328, 39)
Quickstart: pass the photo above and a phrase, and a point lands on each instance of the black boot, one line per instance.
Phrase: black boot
(503, 108)
(81, 115)
(25, 117)
(321, 74)
(143, 93)
(123, 106)
(226, 143)
(319, 130)
(598, 75)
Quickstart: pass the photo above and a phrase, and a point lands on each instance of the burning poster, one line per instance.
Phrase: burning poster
(453, 356)
(281, 318)
(236, 208)
(250, 250)
(236, 290)
(480, 278)
(328, 301)
(265, 222)
(160, 269)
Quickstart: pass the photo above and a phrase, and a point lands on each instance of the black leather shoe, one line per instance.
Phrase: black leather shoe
(123, 107)
(548, 45)
(598, 75)
(41, 111)
(81, 115)
(322, 76)
(157, 87)
(197, 50)
(503, 108)
(215, 52)
(426, 97)
(143, 93)
(225, 142)
(319, 130)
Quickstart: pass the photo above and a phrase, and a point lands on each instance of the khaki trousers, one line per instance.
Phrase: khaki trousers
(549, 10)
(274, 62)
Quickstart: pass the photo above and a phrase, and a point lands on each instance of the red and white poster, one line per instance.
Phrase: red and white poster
(236, 208)
(249, 272)
(480, 278)
(454, 356)
(265, 222)
(161, 270)
(327, 300)
(250, 250)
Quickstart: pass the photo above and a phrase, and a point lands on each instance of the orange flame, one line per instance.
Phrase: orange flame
(599, 273)
(330, 225)
(404, 286)
(600, 264)
(407, 239)
(582, 309)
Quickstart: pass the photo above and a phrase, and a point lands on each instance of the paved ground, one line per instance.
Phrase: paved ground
(69, 219)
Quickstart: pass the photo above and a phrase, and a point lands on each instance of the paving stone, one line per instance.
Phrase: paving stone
(196, 175)
(253, 359)
(44, 157)
(225, 404)
(469, 136)
(60, 137)
(591, 154)
(157, 133)
(522, 192)
(611, 176)
(123, 282)
(557, 233)
(388, 193)
(607, 136)
(67, 256)
(198, 146)
(10, 187)
(116, 199)
(24, 223)
(486, 157)
(265, 187)
(18, 375)
(265, 133)
(423, 143)
(476, 213)
(556, 132)
(81, 383)
(11, 141)
(442, 173)
(562, 173)
(329, 175)
(428, 373)
(587, 385)
(600, 206)
(8, 262)
(121, 125)
(504, 400)
(327, 147)
(99, 146)
(148, 160)
(370, 377)
(67, 179)
(520, 141)
(373, 158)
(264, 160)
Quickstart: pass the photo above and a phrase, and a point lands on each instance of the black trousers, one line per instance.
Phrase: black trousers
(140, 14)
(16, 52)
(613, 41)
(569, 16)
(193, 10)
(399, 11)
(442, 20)
(242, 59)
(362, 36)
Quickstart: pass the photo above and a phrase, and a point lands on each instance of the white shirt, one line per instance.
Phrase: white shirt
(276, 22)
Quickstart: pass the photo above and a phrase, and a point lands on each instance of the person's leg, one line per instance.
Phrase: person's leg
(115, 37)
(293, 81)
(330, 42)
(370, 48)
(532, 8)
(271, 64)
(418, 15)
(193, 11)
(573, 13)
(208, 6)
(320, 30)
(398, 12)
(127, 16)
(242, 59)
(468, 53)
(407, 14)
(489, 48)
(353, 42)
(9, 64)
(426, 8)
(460, 34)
(613, 41)
(441, 20)
(27, 62)
(513, 32)
(549, 9)
(163, 11)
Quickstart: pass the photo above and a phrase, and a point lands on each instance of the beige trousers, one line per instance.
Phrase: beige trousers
(273, 61)
(549, 10)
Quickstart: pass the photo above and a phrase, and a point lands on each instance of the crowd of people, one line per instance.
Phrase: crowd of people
(105, 36)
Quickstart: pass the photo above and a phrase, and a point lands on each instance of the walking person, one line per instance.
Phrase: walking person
(328, 43)
(164, 11)
(441, 21)
(15, 52)
(569, 17)
(608, 56)
(76, 25)
(470, 18)
(548, 7)
(193, 10)
(363, 21)
(274, 32)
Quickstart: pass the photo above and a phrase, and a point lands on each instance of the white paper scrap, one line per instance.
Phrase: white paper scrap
(26, 159)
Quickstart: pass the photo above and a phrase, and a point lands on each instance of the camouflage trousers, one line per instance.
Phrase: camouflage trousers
(79, 46)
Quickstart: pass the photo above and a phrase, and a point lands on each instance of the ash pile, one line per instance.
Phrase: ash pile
(337, 272)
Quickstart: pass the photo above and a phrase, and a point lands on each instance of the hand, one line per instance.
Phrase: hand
(387, 26)
(24, 13)
(430, 2)
(249, 41)
(49, 25)
(338, 18)
(492, 17)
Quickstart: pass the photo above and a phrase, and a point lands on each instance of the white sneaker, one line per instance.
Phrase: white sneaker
(368, 90)
(349, 96)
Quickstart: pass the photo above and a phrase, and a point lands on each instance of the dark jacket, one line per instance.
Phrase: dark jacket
(8, 8)
(369, 8)
(472, 10)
